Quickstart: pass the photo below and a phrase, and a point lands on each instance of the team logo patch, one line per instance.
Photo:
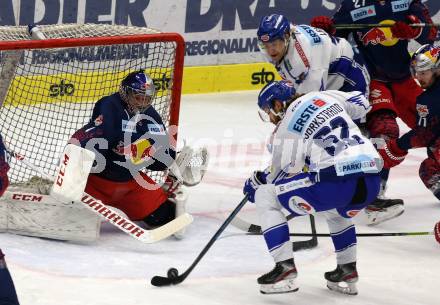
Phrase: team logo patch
(99, 120)
(305, 113)
(352, 213)
(363, 12)
(319, 102)
(422, 110)
(300, 206)
(401, 5)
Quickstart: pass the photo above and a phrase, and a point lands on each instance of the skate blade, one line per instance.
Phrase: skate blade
(349, 289)
(284, 286)
(377, 217)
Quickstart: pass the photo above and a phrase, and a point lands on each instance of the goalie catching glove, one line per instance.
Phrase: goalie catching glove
(190, 165)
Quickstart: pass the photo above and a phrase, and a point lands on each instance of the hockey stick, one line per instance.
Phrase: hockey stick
(115, 218)
(253, 229)
(349, 26)
(173, 277)
(357, 234)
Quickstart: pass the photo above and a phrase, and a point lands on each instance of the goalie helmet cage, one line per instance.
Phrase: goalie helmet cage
(48, 87)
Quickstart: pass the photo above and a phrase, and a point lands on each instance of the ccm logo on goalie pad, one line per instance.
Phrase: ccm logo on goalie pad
(112, 216)
(62, 171)
(26, 197)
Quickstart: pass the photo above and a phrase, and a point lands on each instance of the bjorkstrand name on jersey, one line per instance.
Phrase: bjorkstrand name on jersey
(90, 54)
(321, 117)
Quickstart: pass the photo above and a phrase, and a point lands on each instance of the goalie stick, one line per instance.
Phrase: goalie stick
(173, 277)
(115, 218)
(253, 229)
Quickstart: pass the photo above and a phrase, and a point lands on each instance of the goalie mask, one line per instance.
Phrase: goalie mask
(137, 91)
(282, 91)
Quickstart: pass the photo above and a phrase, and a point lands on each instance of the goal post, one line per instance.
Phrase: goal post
(48, 87)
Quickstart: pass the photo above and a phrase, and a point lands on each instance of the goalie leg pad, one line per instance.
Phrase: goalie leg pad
(76, 163)
(42, 216)
(129, 197)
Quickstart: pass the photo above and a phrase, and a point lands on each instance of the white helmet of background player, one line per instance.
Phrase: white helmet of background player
(274, 34)
(137, 91)
(274, 99)
(425, 64)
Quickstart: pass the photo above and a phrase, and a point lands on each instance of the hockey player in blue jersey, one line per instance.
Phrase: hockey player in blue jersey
(309, 58)
(425, 66)
(393, 91)
(321, 162)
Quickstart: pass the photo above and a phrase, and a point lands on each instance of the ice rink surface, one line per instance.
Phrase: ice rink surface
(116, 270)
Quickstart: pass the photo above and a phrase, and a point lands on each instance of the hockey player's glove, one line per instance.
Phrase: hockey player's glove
(325, 23)
(404, 30)
(253, 183)
(437, 232)
(392, 154)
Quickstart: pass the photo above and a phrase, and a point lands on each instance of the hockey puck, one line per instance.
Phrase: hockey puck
(172, 273)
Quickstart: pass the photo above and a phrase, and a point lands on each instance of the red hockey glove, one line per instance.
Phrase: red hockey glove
(403, 30)
(325, 23)
(437, 231)
(391, 154)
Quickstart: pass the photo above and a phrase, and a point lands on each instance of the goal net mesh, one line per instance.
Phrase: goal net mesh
(48, 93)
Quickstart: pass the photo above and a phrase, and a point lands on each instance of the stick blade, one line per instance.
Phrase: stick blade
(161, 281)
(168, 229)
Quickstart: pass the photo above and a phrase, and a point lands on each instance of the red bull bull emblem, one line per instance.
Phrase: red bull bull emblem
(374, 36)
(435, 51)
(422, 110)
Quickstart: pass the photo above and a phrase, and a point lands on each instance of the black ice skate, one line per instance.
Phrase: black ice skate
(281, 279)
(345, 274)
(383, 209)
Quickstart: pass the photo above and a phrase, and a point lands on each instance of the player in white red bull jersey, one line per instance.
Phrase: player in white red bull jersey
(393, 91)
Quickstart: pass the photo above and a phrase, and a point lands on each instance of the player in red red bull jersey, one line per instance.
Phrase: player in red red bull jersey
(425, 67)
(393, 91)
